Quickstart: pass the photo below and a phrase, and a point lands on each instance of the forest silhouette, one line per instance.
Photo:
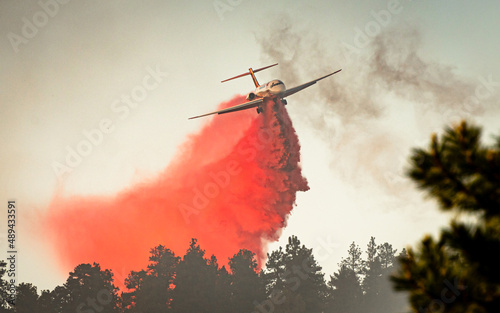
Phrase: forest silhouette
(456, 272)
(292, 281)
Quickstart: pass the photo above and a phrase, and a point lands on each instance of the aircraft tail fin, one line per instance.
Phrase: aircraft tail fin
(251, 72)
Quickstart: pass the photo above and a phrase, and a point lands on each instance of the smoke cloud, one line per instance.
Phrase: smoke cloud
(389, 63)
(232, 185)
(348, 111)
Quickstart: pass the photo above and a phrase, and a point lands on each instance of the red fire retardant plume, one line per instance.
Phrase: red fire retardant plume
(232, 186)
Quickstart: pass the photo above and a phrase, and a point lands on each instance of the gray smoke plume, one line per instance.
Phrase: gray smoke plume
(347, 111)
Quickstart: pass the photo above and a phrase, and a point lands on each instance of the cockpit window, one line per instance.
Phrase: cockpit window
(276, 84)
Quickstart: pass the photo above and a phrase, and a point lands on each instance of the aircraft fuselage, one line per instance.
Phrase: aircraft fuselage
(272, 89)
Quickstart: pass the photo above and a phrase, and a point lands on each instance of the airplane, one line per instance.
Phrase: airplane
(272, 90)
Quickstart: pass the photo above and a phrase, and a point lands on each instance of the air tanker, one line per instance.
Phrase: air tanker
(273, 90)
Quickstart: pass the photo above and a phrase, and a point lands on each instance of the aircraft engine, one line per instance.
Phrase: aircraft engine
(251, 96)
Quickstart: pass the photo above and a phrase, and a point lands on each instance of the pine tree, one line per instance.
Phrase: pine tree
(46, 302)
(4, 305)
(373, 279)
(218, 294)
(386, 255)
(246, 285)
(354, 261)
(88, 288)
(371, 251)
(151, 289)
(60, 299)
(346, 292)
(458, 272)
(196, 283)
(305, 277)
(223, 291)
(27, 299)
(274, 271)
(294, 277)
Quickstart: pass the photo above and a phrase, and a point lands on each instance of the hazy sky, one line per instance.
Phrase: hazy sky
(409, 68)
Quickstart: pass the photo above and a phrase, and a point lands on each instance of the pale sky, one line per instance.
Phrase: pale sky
(409, 69)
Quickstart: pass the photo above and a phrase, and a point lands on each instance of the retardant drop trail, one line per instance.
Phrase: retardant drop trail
(231, 186)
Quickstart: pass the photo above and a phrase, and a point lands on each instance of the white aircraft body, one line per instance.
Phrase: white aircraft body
(273, 90)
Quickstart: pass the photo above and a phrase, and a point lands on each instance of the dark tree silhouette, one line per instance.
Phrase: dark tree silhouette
(196, 283)
(274, 271)
(151, 290)
(246, 285)
(291, 282)
(354, 261)
(223, 291)
(4, 305)
(87, 289)
(378, 294)
(27, 299)
(346, 292)
(386, 255)
(46, 302)
(59, 300)
(295, 275)
(459, 271)
(371, 252)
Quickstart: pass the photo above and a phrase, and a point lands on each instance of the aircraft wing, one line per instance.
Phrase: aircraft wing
(293, 90)
(239, 107)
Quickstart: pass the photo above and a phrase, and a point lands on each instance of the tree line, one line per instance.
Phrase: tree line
(291, 281)
(457, 272)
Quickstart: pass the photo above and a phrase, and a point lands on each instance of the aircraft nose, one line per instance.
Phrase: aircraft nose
(276, 87)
